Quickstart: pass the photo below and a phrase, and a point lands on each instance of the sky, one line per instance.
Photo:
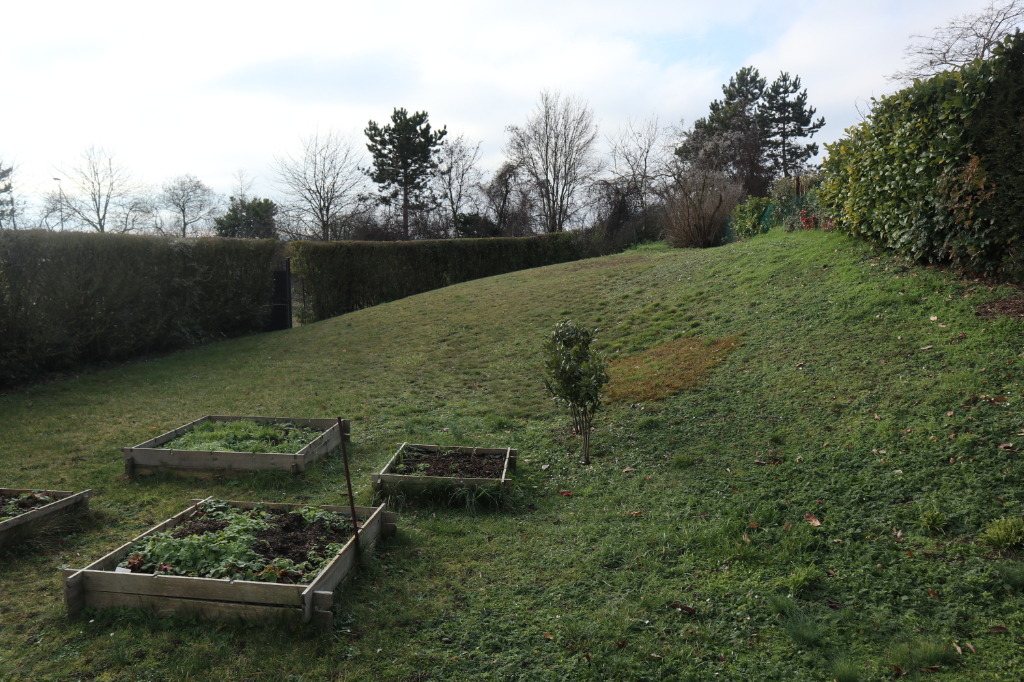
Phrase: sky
(211, 88)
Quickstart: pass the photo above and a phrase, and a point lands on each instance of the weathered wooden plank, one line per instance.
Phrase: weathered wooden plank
(207, 609)
(430, 481)
(213, 460)
(333, 573)
(323, 600)
(67, 499)
(74, 592)
(334, 509)
(323, 620)
(194, 588)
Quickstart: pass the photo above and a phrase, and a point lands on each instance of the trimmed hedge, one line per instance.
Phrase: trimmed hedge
(72, 297)
(339, 277)
(936, 172)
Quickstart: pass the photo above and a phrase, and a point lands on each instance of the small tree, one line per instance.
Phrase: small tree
(576, 374)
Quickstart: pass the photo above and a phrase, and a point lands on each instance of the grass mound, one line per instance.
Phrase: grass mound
(824, 486)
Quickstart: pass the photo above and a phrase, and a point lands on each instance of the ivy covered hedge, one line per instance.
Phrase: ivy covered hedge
(936, 171)
(72, 297)
(339, 277)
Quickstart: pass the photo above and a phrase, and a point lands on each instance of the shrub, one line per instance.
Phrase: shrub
(936, 171)
(752, 217)
(697, 208)
(73, 297)
(1003, 534)
(339, 277)
(576, 374)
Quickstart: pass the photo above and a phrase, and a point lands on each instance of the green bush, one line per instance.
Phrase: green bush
(752, 217)
(73, 297)
(339, 277)
(936, 171)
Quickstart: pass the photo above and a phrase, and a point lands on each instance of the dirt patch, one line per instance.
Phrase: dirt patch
(1009, 307)
(450, 463)
(667, 368)
(288, 538)
(199, 524)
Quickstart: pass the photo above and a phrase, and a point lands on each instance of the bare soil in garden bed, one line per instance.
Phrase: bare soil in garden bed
(450, 463)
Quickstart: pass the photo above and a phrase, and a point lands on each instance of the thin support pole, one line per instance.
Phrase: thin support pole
(348, 482)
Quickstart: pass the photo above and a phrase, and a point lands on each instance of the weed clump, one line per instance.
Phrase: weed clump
(803, 629)
(1004, 534)
(933, 521)
(920, 654)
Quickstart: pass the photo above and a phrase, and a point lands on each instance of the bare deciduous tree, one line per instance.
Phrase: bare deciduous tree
(324, 184)
(457, 176)
(103, 194)
(190, 200)
(557, 151)
(509, 202)
(962, 40)
(638, 156)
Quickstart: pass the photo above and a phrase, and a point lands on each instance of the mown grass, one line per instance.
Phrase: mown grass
(842, 400)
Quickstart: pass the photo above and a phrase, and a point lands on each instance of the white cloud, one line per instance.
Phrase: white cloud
(208, 87)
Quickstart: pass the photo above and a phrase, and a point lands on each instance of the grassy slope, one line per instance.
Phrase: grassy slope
(466, 596)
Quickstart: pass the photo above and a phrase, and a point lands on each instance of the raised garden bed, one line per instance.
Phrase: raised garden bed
(21, 510)
(126, 578)
(150, 457)
(425, 467)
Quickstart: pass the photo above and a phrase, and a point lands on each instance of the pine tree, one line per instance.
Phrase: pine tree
(786, 119)
(403, 155)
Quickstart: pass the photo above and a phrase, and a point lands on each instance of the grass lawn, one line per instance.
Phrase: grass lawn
(858, 393)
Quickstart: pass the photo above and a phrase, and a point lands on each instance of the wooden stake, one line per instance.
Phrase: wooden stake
(348, 482)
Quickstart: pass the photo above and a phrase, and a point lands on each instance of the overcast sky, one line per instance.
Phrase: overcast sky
(212, 87)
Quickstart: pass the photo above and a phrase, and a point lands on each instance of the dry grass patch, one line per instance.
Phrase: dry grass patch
(666, 369)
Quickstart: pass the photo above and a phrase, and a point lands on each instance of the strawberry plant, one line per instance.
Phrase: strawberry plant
(18, 505)
(222, 541)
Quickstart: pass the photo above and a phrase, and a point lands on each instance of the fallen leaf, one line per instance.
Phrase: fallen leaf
(933, 595)
(927, 348)
(934, 318)
(565, 493)
(637, 513)
(754, 524)
(958, 649)
(949, 413)
(997, 630)
(911, 555)
(746, 538)
(825, 445)
(545, 467)
(689, 610)
(628, 469)
(1006, 446)
(799, 459)
(721, 657)
(971, 647)
(878, 418)
(812, 519)
(900, 672)
(548, 635)
(622, 643)
(588, 657)
(787, 525)
(830, 573)
(799, 364)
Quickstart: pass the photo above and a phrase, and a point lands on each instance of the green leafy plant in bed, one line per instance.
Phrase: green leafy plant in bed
(230, 553)
(11, 507)
(245, 435)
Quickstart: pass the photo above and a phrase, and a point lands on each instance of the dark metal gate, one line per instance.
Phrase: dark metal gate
(281, 301)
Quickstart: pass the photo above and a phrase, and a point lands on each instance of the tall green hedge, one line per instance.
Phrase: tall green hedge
(936, 172)
(72, 297)
(339, 277)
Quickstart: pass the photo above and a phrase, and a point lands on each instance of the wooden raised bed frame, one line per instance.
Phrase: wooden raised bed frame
(149, 457)
(99, 586)
(20, 525)
(388, 479)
